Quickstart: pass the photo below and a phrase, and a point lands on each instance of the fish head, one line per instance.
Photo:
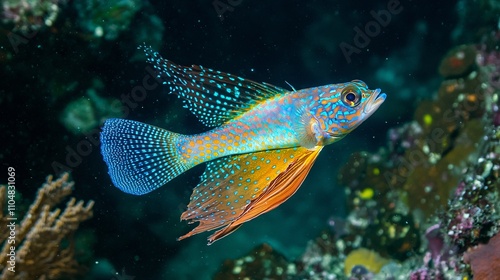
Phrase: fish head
(349, 104)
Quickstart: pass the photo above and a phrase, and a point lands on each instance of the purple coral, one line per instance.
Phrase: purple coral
(436, 243)
(421, 274)
(463, 223)
(439, 259)
(403, 137)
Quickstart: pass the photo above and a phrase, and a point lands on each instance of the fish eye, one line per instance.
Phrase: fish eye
(351, 96)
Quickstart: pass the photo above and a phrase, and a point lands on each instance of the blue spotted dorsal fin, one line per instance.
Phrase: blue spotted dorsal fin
(214, 97)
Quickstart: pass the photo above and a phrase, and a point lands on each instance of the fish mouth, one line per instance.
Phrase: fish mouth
(375, 100)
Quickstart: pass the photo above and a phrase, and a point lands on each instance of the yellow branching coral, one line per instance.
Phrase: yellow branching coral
(43, 247)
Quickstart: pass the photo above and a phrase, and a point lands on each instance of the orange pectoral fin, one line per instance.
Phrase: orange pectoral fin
(278, 191)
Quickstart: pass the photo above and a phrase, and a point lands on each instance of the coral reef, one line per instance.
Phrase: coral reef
(485, 259)
(107, 19)
(473, 213)
(30, 15)
(323, 258)
(41, 246)
(367, 259)
(458, 62)
(262, 263)
(425, 159)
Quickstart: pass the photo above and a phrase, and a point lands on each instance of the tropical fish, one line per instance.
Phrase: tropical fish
(263, 142)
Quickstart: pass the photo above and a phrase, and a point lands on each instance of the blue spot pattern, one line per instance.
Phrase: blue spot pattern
(140, 157)
(214, 97)
(230, 184)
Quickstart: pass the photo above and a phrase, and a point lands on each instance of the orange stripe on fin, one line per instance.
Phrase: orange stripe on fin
(232, 186)
(280, 189)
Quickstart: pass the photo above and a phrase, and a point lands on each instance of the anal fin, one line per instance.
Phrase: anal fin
(281, 189)
(239, 188)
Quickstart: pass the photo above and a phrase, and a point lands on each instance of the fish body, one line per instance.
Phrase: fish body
(263, 143)
(272, 125)
(265, 127)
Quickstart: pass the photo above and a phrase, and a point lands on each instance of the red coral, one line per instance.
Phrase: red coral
(485, 259)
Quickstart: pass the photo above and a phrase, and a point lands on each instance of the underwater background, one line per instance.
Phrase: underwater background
(413, 193)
